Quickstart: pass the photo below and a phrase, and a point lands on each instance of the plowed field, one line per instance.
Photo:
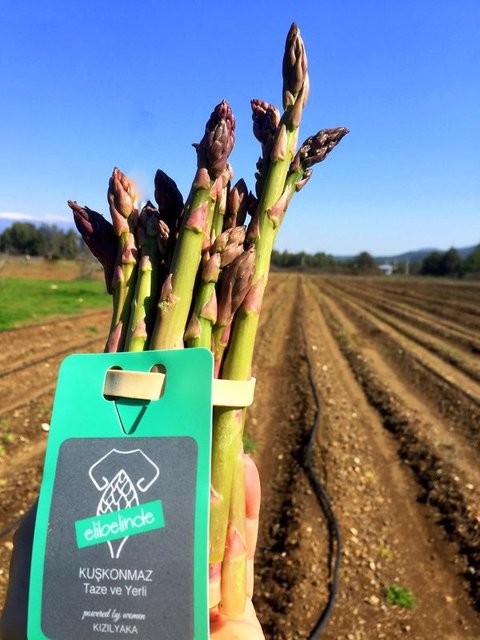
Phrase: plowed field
(395, 365)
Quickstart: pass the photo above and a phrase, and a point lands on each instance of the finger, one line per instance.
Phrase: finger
(252, 509)
(252, 503)
(246, 627)
(214, 583)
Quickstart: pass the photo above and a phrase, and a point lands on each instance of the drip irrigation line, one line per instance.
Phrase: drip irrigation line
(334, 539)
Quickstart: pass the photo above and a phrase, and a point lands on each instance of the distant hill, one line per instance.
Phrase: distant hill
(416, 255)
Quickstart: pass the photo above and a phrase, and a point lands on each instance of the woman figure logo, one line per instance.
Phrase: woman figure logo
(120, 475)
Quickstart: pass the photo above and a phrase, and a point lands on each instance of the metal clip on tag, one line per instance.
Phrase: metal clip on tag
(149, 386)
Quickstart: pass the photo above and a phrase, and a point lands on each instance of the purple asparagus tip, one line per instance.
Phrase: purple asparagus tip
(294, 69)
(218, 140)
(122, 198)
(169, 200)
(316, 148)
(99, 236)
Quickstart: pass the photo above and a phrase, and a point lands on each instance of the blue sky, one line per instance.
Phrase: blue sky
(90, 85)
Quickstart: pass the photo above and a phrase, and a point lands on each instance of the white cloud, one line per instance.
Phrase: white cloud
(48, 218)
(13, 215)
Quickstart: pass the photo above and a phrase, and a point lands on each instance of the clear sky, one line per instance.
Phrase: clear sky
(87, 85)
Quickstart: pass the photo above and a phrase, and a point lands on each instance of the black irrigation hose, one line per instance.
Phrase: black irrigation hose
(334, 545)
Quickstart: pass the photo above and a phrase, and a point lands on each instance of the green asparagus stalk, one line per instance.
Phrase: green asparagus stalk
(234, 286)
(123, 210)
(234, 565)
(238, 361)
(176, 296)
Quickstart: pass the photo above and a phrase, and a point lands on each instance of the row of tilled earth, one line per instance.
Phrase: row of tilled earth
(395, 365)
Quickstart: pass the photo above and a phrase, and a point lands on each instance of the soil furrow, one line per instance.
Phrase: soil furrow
(20, 346)
(454, 333)
(448, 482)
(388, 537)
(455, 396)
(460, 361)
(40, 378)
(291, 556)
(443, 308)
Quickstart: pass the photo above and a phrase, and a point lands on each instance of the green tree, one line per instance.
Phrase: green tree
(431, 264)
(70, 245)
(451, 263)
(472, 261)
(21, 238)
(364, 262)
(46, 240)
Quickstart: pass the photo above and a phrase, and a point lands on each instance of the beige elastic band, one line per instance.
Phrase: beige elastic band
(149, 386)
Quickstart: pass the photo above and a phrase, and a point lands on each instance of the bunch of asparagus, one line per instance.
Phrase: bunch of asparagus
(193, 274)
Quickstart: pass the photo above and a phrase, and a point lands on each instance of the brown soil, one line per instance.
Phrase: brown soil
(395, 450)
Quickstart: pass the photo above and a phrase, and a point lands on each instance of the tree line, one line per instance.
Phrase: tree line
(437, 263)
(450, 263)
(362, 263)
(24, 238)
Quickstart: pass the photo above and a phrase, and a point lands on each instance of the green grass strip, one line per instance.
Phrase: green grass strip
(24, 300)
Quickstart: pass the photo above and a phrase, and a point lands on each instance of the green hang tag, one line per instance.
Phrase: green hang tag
(121, 537)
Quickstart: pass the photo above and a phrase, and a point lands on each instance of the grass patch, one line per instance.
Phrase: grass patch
(400, 596)
(92, 328)
(25, 300)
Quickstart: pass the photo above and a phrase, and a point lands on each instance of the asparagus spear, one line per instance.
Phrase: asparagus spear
(266, 119)
(123, 209)
(152, 238)
(99, 236)
(276, 190)
(170, 207)
(314, 150)
(228, 424)
(176, 296)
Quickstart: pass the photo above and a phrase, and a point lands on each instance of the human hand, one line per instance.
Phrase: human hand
(247, 626)
(13, 624)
